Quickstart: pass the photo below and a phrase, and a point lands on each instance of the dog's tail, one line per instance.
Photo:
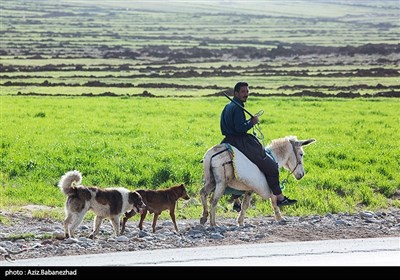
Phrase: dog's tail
(70, 180)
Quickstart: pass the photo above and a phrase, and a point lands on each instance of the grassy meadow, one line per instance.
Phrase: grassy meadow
(78, 77)
(155, 143)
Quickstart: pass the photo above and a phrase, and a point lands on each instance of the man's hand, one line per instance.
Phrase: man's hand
(254, 120)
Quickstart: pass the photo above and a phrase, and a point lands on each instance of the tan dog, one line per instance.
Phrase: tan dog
(156, 201)
(105, 203)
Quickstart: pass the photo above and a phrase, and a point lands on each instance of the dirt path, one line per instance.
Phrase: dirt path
(43, 237)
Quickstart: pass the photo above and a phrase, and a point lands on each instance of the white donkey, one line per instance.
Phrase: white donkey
(224, 166)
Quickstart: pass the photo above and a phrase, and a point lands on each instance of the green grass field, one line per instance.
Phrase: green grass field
(54, 54)
(155, 143)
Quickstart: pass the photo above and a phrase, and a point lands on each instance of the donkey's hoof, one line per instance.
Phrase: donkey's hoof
(282, 221)
(203, 220)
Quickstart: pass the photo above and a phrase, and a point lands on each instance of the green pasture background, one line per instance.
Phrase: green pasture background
(154, 143)
(63, 48)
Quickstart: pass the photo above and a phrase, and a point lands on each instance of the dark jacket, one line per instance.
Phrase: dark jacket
(234, 127)
(233, 121)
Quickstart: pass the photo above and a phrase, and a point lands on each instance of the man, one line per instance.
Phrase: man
(234, 127)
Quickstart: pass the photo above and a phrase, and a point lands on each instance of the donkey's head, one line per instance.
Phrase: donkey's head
(294, 161)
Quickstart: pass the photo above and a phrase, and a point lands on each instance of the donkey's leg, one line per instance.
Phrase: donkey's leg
(204, 192)
(277, 211)
(203, 198)
(219, 191)
(245, 205)
(209, 185)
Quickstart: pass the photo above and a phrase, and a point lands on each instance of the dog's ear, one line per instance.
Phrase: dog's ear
(134, 197)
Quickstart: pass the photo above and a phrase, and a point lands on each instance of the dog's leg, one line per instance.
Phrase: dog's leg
(115, 223)
(130, 214)
(125, 219)
(77, 219)
(123, 222)
(96, 226)
(67, 221)
(155, 221)
(142, 217)
(172, 214)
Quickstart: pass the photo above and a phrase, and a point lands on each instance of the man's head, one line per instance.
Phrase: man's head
(241, 91)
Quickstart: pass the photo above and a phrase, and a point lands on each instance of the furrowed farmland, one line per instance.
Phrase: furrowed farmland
(130, 93)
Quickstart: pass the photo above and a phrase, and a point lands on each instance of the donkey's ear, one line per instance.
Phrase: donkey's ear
(307, 142)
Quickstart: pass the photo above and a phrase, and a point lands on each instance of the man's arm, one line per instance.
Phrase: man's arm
(241, 124)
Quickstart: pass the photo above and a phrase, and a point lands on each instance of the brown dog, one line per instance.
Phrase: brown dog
(156, 201)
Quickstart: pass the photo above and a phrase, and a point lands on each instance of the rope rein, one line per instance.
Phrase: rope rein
(257, 129)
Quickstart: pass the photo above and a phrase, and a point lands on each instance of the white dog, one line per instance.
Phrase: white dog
(105, 203)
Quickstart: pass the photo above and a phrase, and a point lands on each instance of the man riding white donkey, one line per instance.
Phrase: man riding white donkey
(234, 127)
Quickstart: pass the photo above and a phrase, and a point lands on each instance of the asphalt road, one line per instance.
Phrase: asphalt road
(347, 252)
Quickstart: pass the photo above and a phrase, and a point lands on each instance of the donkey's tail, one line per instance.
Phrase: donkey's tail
(207, 173)
(70, 180)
